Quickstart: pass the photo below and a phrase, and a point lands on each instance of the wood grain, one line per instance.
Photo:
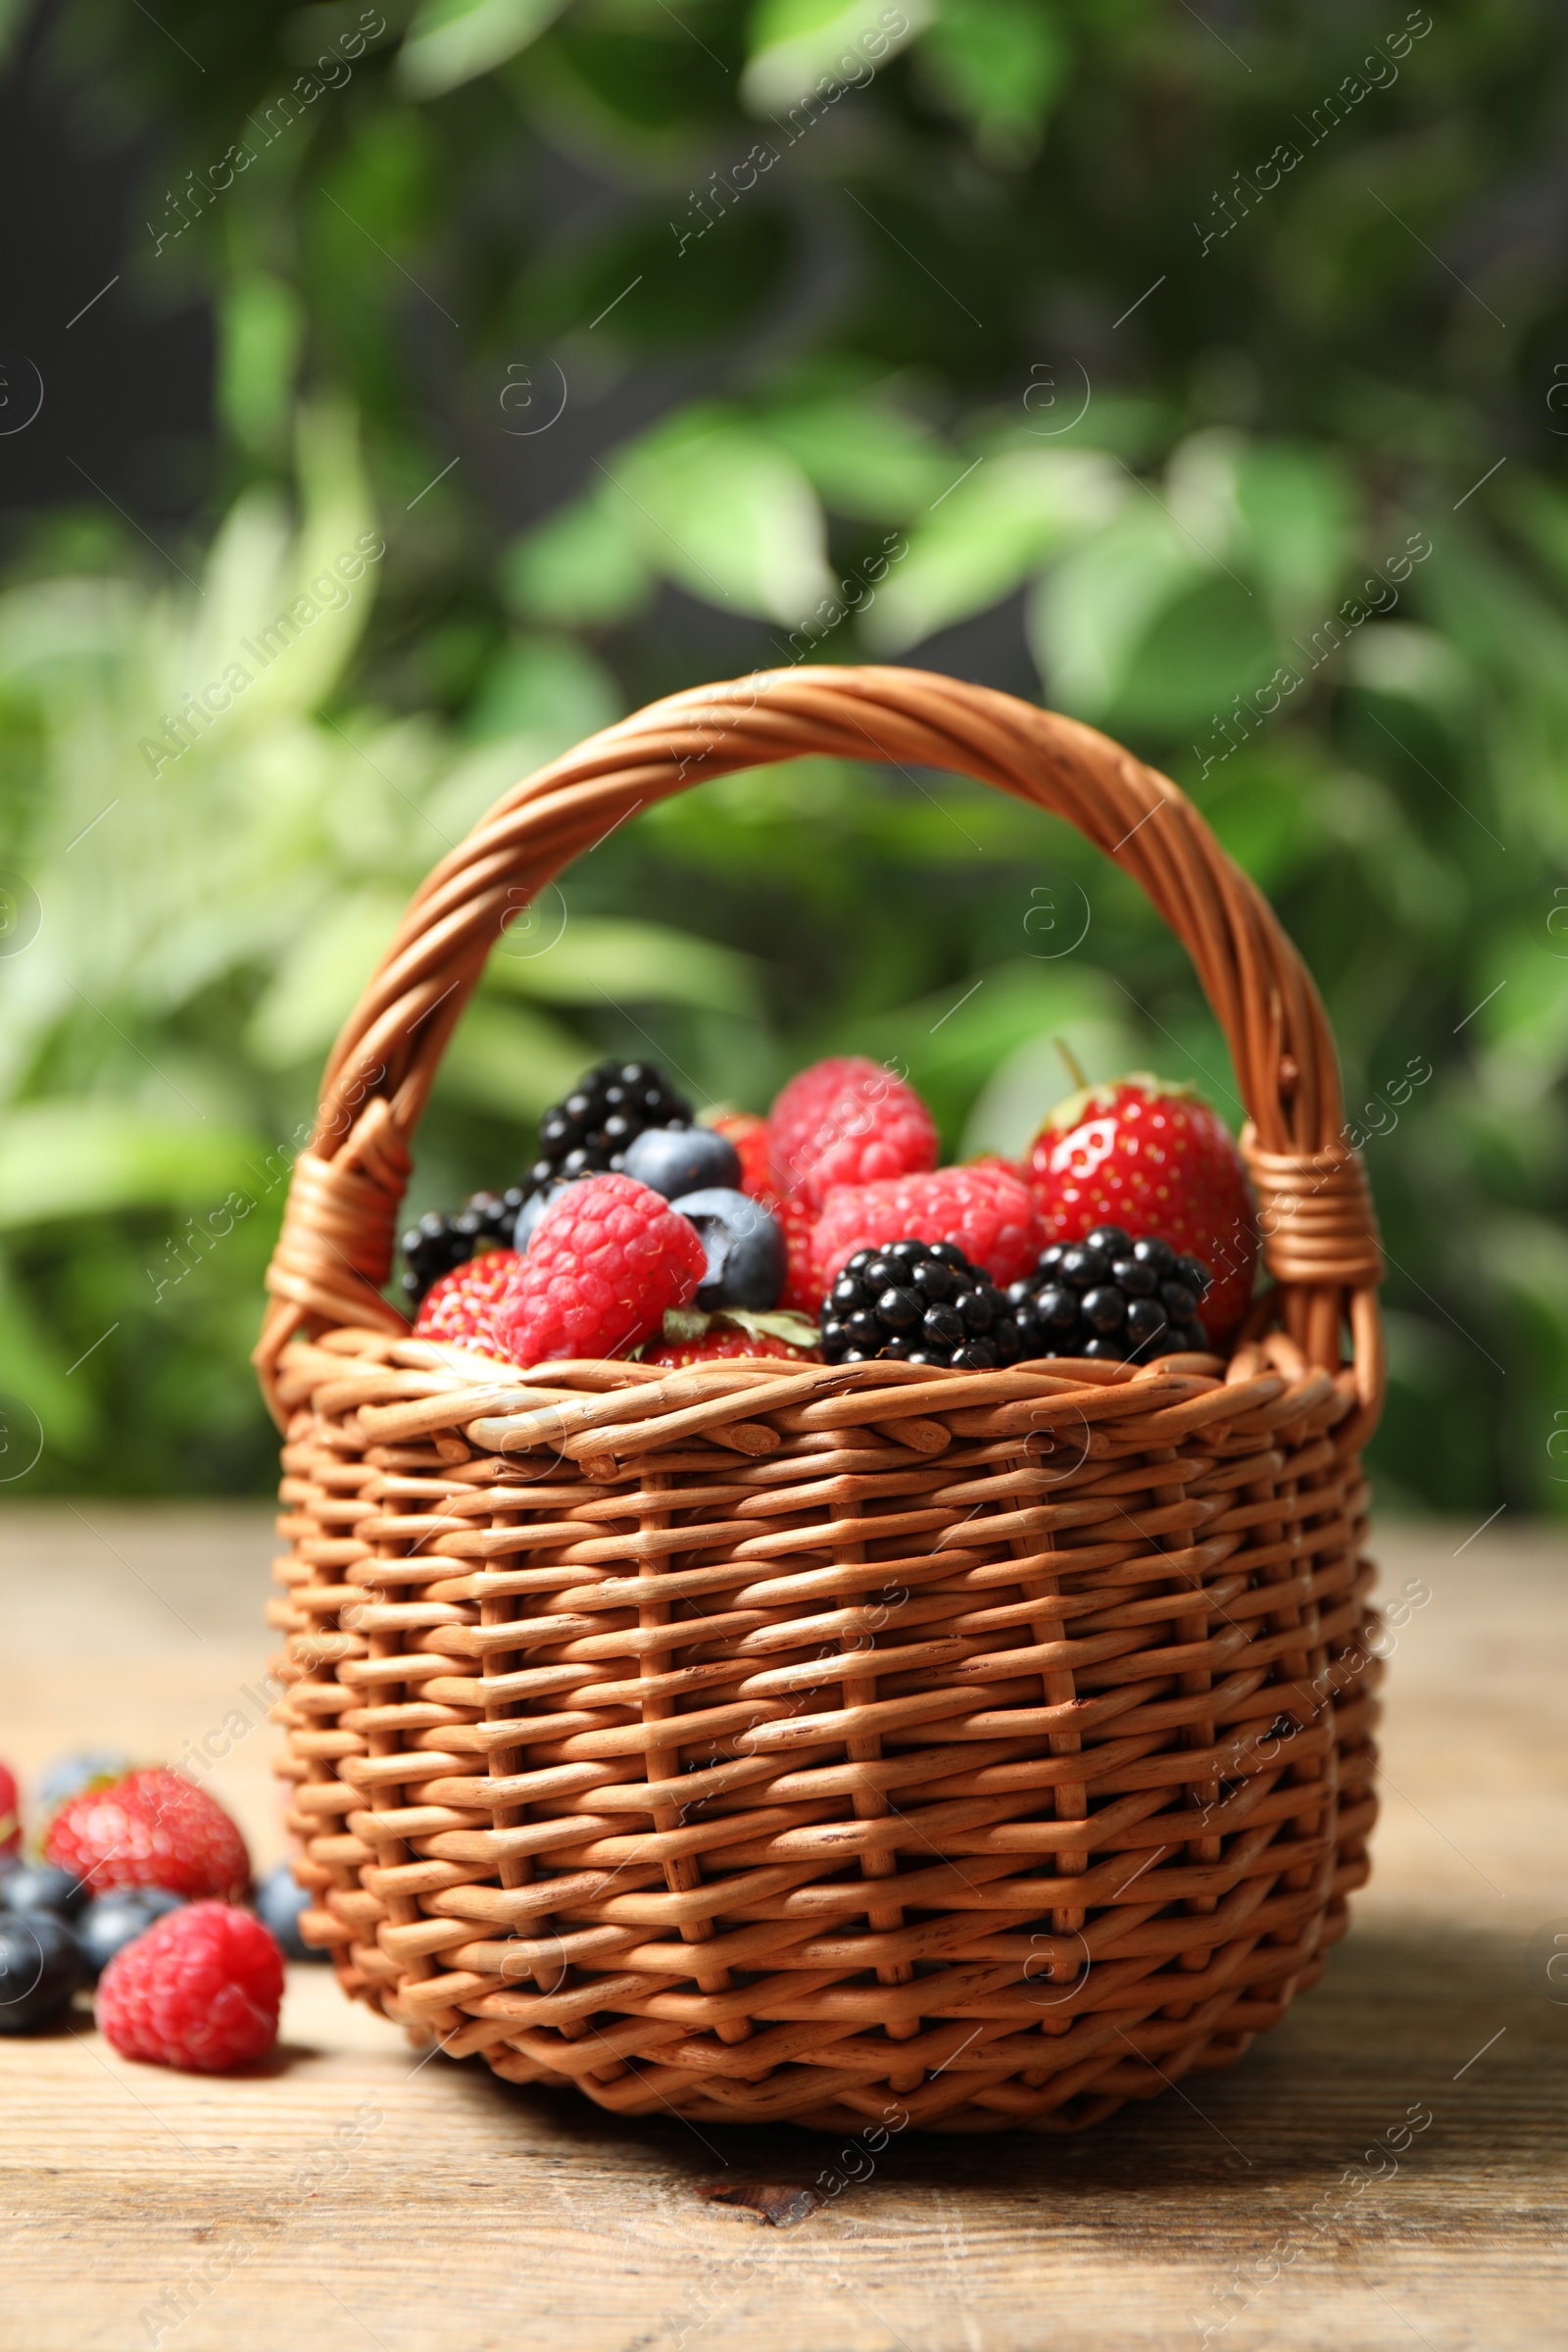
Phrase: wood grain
(458, 2213)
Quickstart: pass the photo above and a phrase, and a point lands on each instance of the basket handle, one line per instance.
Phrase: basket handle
(1320, 1239)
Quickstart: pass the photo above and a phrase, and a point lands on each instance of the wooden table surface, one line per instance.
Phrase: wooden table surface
(351, 2193)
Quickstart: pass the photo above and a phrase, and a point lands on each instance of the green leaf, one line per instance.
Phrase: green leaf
(716, 508)
(321, 976)
(797, 46)
(452, 41)
(863, 455)
(504, 1059)
(997, 64)
(580, 568)
(986, 532)
(1089, 611)
(583, 959)
(84, 1158)
(549, 690)
(262, 325)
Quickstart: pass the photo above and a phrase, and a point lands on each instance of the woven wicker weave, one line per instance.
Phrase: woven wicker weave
(836, 1742)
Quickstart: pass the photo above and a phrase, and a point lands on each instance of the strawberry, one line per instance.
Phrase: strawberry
(458, 1307)
(709, 1346)
(1152, 1156)
(748, 1134)
(10, 1815)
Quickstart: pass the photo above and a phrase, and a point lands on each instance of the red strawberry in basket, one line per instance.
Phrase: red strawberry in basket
(748, 1134)
(1153, 1158)
(458, 1307)
(152, 1829)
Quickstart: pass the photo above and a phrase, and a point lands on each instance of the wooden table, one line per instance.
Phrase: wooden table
(351, 2193)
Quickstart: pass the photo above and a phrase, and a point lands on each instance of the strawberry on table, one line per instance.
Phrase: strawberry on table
(1152, 1158)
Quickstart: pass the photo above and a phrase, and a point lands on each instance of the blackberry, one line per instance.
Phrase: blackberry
(589, 1130)
(920, 1302)
(1110, 1296)
(440, 1242)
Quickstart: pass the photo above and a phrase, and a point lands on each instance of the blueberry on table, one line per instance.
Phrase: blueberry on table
(39, 1887)
(279, 1900)
(112, 1921)
(676, 1161)
(746, 1253)
(41, 1967)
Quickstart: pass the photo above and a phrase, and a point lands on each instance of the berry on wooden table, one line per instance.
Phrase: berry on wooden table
(40, 1968)
(153, 1829)
(848, 1121)
(39, 1887)
(201, 1990)
(605, 1263)
(459, 1309)
(280, 1901)
(112, 1921)
(1153, 1158)
(986, 1210)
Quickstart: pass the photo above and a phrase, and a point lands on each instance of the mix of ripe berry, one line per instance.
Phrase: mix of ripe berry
(828, 1232)
(144, 1890)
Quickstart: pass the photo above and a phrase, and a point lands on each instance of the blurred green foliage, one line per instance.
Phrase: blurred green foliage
(1149, 364)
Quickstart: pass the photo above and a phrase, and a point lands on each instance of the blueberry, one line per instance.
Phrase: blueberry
(746, 1250)
(533, 1208)
(1082, 1266)
(1057, 1307)
(279, 1900)
(1178, 1301)
(1103, 1308)
(112, 1921)
(1109, 1240)
(1131, 1275)
(677, 1161)
(40, 1968)
(900, 1309)
(1158, 1255)
(38, 1886)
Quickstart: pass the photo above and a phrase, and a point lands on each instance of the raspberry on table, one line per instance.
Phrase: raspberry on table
(201, 1990)
(848, 1121)
(152, 1829)
(605, 1263)
(986, 1210)
(461, 1306)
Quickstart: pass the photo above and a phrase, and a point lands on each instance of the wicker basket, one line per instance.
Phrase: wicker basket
(842, 1743)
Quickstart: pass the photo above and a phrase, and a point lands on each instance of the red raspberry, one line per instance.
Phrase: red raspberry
(10, 1813)
(200, 1989)
(715, 1344)
(984, 1209)
(152, 1829)
(460, 1308)
(1156, 1159)
(748, 1134)
(848, 1121)
(605, 1263)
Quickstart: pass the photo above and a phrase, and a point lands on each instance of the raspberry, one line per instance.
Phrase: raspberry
(715, 1344)
(986, 1210)
(460, 1308)
(605, 1263)
(152, 1829)
(848, 1121)
(1151, 1157)
(748, 1134)
(200, 1989)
